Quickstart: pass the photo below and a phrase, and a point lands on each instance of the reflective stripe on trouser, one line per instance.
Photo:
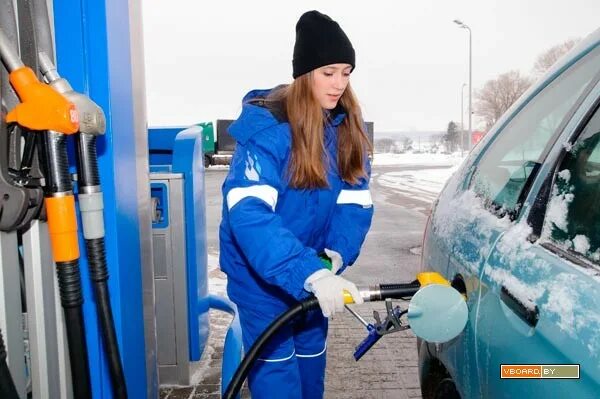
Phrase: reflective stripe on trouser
(293, 363)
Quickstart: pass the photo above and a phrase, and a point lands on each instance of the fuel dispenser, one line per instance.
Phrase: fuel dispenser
(49, 187)
(179, 246)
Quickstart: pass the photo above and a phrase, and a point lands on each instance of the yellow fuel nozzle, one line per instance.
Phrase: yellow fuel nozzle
(41, 107)
(348, 298)
(397, 291)
(426, 278)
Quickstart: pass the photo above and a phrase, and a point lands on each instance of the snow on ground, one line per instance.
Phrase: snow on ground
(421, 184)
(385, 159)
(217, 280)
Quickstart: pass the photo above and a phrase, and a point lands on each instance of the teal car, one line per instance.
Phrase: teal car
(517, 231)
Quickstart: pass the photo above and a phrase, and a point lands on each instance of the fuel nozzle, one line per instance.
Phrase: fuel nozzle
(91, 116)
(41, 108)
(381, 292)
(432, 300)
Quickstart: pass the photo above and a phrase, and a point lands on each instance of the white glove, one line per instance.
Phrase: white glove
(329, 290)
(336, 260)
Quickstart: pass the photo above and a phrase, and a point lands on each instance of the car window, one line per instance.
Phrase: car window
(573, 215)
(503, 171)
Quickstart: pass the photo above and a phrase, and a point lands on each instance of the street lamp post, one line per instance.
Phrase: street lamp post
(465, 26)
(462, 114)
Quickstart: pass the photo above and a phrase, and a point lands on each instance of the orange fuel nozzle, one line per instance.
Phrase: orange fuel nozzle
(41, 107)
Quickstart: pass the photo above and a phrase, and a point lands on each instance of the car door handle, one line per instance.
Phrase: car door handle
(528, 314)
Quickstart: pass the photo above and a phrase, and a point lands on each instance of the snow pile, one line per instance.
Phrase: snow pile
(515, 251)
(581, 244)
(466, 213)
(558, 206)
(557, 218)
(562, 300)
(527, 294)
(217, 280)
(514, 245)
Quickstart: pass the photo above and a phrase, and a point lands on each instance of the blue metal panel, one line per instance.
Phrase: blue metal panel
(160, 144)
(93, 54)
(232, 348)
(188, 159)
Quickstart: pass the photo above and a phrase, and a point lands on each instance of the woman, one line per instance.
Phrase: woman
(297, 189)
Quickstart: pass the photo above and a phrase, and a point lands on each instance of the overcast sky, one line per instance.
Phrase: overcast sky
(411, 59)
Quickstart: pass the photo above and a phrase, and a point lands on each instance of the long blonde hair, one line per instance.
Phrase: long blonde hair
(304, 113)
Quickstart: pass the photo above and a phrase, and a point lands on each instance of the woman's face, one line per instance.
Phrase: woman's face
(329, 83)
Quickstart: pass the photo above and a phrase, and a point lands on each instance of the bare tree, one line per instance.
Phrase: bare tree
(406, 143)
(384, 145)
(497, 95)
(545, 60)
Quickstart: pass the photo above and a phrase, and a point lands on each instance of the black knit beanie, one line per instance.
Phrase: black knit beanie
(320, 41)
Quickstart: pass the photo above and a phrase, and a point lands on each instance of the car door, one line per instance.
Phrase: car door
(490, 208)
(539, 299)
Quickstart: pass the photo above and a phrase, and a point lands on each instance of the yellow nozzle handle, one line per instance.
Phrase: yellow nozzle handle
(426, 278)
(348, 298)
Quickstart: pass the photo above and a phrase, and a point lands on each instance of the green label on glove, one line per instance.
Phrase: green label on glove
(326, 261)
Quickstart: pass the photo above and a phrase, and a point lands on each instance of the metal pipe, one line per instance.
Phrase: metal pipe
(470, 88)
(465, 26)
(41, 19)
(8, 53)
(9, 24)
(47, 67)
(462, 115)
(358, 317)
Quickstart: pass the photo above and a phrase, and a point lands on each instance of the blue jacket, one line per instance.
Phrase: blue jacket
(271, 234)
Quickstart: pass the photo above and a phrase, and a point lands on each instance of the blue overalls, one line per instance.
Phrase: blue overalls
(270, 238)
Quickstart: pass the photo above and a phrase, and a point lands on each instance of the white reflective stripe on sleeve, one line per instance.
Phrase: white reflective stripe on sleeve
(263, 192)
(359, 197)
(316, 354)
(283, 359)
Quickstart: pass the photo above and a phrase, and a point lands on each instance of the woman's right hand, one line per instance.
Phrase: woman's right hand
(329, 290)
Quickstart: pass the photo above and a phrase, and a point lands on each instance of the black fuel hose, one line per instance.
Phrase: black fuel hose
(383, 292)
(399, 291)
(7, 385)
(89, 177)
(99, 275)
(53, 155)
(242, 371)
